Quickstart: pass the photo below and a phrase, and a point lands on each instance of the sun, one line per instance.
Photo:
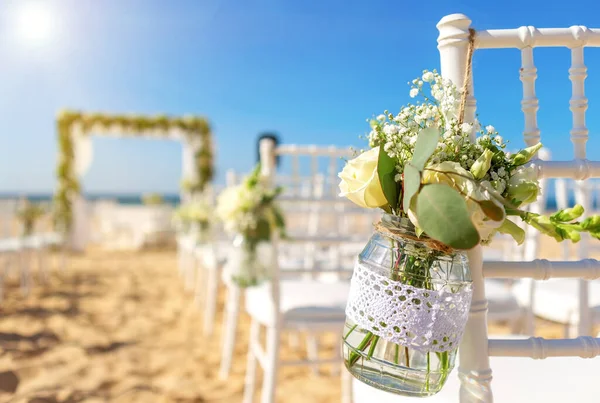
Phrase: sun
(35, 23)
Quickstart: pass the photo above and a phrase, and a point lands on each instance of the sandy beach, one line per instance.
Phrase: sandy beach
(119, 327)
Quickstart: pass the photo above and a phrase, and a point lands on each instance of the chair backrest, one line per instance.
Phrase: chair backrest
(453, 43)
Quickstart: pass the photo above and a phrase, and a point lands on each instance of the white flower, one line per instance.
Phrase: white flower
(381, 117)
(498, 139)
(414, 92)
(390, 129)
(360, 181)
(466, 128)
(428, 77)
(490, 129)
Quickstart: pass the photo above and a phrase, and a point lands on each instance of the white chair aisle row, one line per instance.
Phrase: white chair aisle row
(17, 254)
(516, 377)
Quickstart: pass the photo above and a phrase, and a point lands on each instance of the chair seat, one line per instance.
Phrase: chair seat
(515, 380)
(558, 299)
(301, 301)
(502, 303)
(10, 245)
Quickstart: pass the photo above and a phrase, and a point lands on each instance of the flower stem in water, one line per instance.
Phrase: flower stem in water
(354, 356)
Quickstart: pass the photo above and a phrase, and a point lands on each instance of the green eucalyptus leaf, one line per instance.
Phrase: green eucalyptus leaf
(386, 170)
(427, 141)
(492, 210)
(442, 213)
(412, 183)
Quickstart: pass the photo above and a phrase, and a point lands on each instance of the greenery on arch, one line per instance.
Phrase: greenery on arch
(195, 128)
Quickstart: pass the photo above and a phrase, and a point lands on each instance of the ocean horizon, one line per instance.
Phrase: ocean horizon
(174, 198)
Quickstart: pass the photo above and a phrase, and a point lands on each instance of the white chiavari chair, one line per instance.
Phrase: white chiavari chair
(565, 377)
(289, 303)
(314, 221)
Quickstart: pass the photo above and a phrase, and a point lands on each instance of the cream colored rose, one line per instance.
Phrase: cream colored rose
(360, 181)
(452, 174)
(227, 203)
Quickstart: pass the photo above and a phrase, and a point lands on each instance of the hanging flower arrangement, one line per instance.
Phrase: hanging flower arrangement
(28, 215)
(250, 213)
(442, 193)
(194, 218)
(195, 129)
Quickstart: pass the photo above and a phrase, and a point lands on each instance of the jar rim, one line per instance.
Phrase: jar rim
(399, 225)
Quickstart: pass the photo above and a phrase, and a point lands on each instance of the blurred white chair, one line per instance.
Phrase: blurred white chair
(297, 305)
(315, 214)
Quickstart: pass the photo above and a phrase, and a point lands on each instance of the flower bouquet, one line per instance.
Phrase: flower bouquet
(28, 215)
(249, 212)
(194, 218)
(443, 192)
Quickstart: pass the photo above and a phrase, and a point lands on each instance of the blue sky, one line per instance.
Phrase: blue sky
(311, 70)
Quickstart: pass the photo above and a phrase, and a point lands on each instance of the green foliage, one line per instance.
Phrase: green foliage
(152, 199)
(492, 210)
(561, 225)
(386, 170)
(510, 228)
(28, 215)
(412, 182)
(427, 141)
(525, 155)
(68, 183)
(442, 213)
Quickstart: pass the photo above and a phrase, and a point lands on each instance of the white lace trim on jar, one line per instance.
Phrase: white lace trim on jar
(424, 320)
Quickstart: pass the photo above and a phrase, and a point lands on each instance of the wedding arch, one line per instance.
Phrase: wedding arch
(75, 156)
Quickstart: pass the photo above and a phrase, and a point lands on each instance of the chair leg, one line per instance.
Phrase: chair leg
(210, 307)
(335, 369)
(346, 385)
(3, 273)
(293, 340)
(25, 273)
(42, 268)
(250, 380)
(272, 363)
(312, 351)
(229, 329)
(190, 274)
(199, 291)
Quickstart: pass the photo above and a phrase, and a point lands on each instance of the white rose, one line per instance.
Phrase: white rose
(428, 77)
(414, 92)
(360, 181)
(490, 129)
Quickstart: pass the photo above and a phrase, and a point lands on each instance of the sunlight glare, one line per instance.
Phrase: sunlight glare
(35, 23)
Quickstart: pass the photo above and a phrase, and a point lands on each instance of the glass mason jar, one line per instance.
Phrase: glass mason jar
(248, 263)
(408, 305)
(199, 230)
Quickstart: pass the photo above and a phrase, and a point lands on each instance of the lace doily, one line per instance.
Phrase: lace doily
(424, 320)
